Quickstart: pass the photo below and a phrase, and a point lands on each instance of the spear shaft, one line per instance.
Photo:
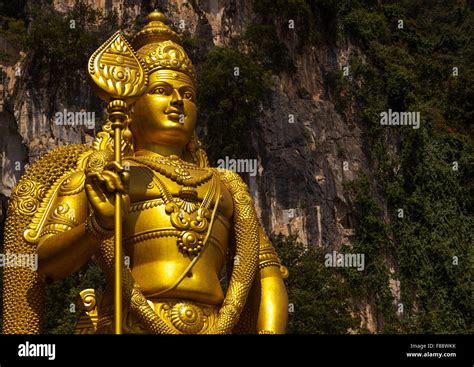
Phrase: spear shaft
(120, 78)
(117, 115)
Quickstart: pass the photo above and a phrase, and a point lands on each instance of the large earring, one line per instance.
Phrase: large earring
(196, 153)
(127, 133)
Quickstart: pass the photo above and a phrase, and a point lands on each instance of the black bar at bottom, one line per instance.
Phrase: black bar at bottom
(319, 350)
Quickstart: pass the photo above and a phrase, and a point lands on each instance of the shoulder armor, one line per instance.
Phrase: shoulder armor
(236, 186)
(52, 216)
(228, 176)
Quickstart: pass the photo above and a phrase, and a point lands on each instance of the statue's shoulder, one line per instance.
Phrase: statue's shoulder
(58, 173)
(236, 186)
(228, 176)
(50, 167)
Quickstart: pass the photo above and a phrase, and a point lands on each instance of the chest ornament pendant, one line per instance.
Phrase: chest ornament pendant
(194, 226)
(186, 213)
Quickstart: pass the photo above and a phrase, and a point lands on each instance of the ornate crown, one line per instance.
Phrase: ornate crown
(160, 47)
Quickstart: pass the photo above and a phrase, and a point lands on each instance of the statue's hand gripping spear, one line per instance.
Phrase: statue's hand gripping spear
(119, 78)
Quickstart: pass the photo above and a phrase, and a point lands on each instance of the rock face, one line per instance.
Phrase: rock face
(304, 147)
(300, 189)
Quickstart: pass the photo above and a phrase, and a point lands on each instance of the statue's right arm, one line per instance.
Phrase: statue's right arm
(66, 246)
(68, 242)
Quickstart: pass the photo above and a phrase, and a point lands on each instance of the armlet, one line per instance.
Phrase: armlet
(268, 256)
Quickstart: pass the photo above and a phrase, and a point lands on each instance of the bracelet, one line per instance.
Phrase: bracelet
(264, 264)
(96, 229)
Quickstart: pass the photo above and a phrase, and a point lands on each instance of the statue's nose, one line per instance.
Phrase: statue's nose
(176, 98)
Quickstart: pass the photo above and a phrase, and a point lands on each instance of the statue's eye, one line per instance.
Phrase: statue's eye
(160, 90)
(188, 95)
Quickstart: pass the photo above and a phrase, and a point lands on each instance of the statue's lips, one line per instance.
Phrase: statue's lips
(174, 116)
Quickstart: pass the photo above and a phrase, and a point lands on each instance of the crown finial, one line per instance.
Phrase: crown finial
(156, 16)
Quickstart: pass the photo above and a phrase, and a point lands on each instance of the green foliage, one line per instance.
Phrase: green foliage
(372, 239)
(230, 102)
(62, 44)
(366, 26)
(319, 296)
(338, 88)
(13, 32)
(435, 236)
(411, 69)
(13, 9)
(400, 87)
(267, 48)
(196, 47)
(315, 21)
(459, 107)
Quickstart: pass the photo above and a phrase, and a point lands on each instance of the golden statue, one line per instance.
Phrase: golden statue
(144, 191)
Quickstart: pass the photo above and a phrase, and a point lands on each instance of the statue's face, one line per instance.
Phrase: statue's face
(166, 114)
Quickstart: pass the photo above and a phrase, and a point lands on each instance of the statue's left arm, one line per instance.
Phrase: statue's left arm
(273, 310)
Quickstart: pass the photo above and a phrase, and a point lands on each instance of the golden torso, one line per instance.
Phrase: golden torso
(172, 222)
(150, 239)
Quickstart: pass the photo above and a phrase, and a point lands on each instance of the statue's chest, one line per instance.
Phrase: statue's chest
(189, 188)
(176, 202)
